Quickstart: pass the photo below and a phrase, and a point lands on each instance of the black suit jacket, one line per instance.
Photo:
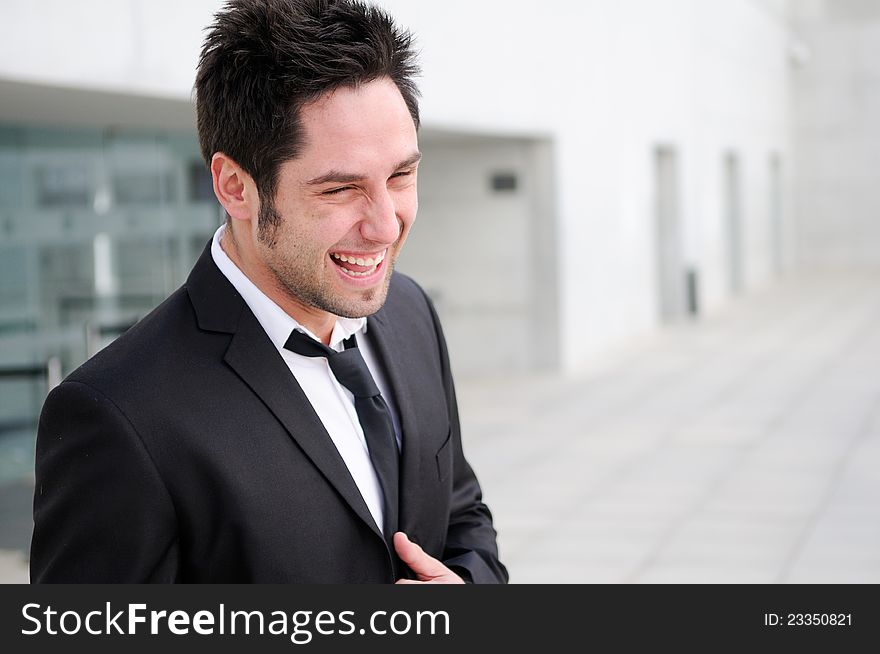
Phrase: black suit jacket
(186, 452)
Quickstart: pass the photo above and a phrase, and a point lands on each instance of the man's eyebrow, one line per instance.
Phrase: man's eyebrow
(341, 177)
(409, 161)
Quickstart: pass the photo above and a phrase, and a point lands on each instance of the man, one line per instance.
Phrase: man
(221, 439)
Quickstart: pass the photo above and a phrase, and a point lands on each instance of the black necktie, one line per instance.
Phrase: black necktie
(351, 371)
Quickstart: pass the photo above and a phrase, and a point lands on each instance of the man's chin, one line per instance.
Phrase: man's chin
(362, 303)
(362, 308)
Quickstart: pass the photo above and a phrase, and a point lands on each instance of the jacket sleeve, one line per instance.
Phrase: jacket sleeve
(101, 511)
(471, 541)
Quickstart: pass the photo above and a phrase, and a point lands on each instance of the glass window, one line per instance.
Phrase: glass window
(96, 228)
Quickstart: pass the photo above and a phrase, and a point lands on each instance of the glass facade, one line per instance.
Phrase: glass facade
(96, 228)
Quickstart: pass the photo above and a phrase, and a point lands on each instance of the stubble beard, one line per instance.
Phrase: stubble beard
(302, 283)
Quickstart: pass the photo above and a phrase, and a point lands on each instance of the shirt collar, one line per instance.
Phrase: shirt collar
(275, 322)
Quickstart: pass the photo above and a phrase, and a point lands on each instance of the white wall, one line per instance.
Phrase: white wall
(838, 139)
(605, 80)
(610, 81)
(140, 46)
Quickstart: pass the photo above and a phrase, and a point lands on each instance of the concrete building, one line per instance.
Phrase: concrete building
(592, 170)
(837, 139)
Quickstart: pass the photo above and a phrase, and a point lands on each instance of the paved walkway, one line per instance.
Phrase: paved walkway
(744, 448)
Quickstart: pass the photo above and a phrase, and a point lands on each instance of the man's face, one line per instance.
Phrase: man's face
(344, 206)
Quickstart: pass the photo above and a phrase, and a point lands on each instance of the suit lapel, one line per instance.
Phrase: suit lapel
(381, 333)
(256, 361)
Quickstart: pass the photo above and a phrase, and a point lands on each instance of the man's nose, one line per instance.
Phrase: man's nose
(381, 225)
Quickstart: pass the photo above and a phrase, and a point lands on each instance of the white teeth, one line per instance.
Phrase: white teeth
(369, 261)
(352, 273)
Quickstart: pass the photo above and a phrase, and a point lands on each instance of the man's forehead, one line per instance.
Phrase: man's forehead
(377, 103)
(354, 130)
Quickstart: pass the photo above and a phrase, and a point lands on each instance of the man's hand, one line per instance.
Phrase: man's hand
(428, 569)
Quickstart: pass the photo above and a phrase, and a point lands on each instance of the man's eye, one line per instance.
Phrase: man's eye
(402, 173)
(334, 191)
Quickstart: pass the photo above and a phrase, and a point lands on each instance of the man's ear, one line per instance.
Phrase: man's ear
(234, 188)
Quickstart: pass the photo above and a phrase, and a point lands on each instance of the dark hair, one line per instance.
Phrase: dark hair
(262, 60)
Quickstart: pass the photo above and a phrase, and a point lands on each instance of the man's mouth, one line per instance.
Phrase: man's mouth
(358, 266)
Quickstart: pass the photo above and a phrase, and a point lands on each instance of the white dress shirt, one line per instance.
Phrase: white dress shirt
(333, 403)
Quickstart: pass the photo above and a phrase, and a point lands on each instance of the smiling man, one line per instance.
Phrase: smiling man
(288, 415)
(324, 246)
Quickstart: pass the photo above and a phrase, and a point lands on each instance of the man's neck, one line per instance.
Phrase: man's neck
(319, 322)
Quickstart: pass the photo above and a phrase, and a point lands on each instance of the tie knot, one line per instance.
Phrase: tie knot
(347, 366)
(303, 344)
